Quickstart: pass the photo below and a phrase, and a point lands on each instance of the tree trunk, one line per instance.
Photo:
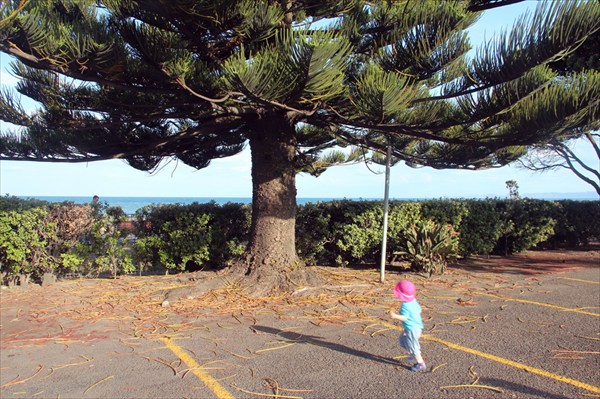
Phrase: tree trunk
(270, 261)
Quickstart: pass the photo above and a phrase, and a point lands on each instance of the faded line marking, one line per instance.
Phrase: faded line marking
(548, 305)
(195, 368)
(521, 366)
(581, 281)
(511, 363)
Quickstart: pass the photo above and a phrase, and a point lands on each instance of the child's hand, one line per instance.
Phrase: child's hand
(396, 316)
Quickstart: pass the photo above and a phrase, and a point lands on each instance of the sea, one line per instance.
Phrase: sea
(131, 204)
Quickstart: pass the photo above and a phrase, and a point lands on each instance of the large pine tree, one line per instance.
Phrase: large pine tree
(146, 81)
(563, 151)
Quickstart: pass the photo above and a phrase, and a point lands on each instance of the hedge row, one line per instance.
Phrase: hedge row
(38, 238)
(348, 232)
(190, 237)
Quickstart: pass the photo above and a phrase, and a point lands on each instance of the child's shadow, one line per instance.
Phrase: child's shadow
(317, 341)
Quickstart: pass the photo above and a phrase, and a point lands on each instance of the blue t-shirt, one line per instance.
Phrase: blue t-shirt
(412, 311)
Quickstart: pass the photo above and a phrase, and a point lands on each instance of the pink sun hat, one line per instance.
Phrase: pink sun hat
(405, 291)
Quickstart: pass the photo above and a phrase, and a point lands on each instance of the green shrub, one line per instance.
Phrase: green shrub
(71, 224)
(180, 237)
(181, 243)
(429, 246)
(445, 211)
(402, 215)
(116, 212)
(105, 249)
(359, 238)
(313, 233)
(67, 238)
(230, 228)
(12, 203)
(322, 228)
(527, 223)
(23, 241)
(578, 223)
(480, 228)
(60, 238)
(358, 235)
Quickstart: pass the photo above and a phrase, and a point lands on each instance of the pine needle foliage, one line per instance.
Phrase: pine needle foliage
(148, 81)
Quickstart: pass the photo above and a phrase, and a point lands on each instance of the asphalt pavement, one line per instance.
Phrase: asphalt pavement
(487, 335)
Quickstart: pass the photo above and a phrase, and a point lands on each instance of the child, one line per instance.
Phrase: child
(410, 316)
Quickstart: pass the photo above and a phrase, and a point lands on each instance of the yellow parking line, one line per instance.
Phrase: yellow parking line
(489, 356)
(539, 304)
(581, 281)
(521, 366)
(210, 382)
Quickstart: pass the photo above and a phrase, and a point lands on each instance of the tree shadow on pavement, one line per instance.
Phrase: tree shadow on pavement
(529, 262)
(319, 341)
(526, 391)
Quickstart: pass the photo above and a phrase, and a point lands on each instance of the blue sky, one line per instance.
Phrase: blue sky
(231, 177)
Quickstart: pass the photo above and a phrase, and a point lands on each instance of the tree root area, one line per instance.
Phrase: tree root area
(255, 284)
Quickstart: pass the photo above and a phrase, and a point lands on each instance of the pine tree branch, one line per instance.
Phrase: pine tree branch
(162, 146)
(569, 156)
(44, 64)
(590, 137)
(484, 5)
(566, 155)
(181, 83)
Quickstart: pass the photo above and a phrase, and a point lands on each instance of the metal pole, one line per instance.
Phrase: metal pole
(386, 201)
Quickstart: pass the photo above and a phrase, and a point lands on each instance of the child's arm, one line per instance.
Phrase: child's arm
(396, 316)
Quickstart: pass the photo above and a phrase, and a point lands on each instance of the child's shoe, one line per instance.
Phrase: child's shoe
(419, 367)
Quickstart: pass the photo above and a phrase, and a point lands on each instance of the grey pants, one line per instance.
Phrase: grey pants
(409, 340)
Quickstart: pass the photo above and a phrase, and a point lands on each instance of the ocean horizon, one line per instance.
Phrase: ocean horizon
(131, 204)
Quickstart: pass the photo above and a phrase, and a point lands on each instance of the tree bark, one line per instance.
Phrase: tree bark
(270, 260)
